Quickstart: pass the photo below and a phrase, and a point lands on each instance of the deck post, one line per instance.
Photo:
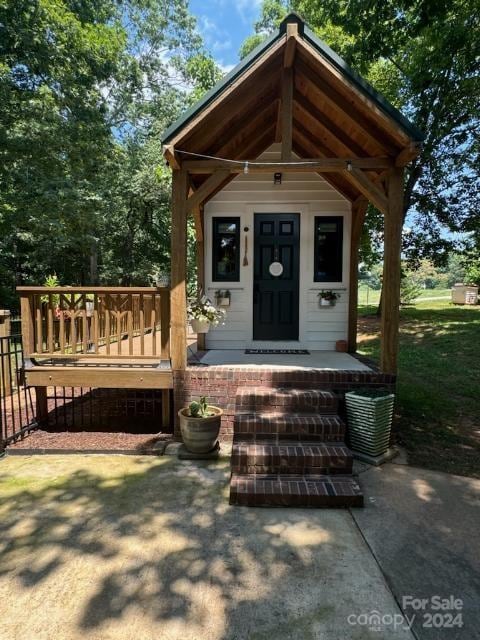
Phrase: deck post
(359, 210)
(178, 294)
(393, 223)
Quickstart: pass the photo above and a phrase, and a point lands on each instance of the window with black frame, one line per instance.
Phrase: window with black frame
(226, 250)
(328, 249)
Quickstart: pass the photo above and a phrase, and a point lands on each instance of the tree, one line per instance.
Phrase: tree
(85, 90)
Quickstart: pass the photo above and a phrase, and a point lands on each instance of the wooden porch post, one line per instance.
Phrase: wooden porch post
(359, 209)
(393, 223)
(178, 294)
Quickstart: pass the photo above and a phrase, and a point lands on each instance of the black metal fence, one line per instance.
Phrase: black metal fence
(17, 415)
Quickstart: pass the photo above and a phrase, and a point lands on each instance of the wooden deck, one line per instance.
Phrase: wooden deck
(105, 337)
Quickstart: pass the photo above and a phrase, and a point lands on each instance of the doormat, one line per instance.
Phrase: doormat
(277, 352)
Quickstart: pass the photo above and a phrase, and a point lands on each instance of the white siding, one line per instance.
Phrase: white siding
(304, 193)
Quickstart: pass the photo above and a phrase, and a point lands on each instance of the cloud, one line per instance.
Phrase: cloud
(248, 9)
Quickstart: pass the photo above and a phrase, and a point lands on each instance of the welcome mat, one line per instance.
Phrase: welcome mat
(277, 352)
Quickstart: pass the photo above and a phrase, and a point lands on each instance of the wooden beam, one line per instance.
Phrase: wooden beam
(290, 47)
(178, 294)
(278, 126)
(408, 154)
(171, 157)
(287, 114)
(318, 92)
(206, 189)
(229, 93)
(337, 79)
(393, 223)
(101, 377)
(368, 188)
(328, 165)
(359, 210)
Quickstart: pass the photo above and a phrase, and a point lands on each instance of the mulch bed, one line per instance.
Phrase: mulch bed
(91, 441)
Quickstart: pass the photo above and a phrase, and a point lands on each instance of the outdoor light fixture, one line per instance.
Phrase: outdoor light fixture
(349, 165)
(277, 178)
(245, 168)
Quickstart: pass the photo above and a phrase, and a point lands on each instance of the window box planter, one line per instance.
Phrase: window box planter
(369, 416)
(200, 434)
(328, 298)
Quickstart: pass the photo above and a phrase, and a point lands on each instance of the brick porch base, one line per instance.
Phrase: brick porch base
(220, 383)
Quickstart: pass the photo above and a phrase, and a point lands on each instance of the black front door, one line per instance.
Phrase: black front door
(275, 279)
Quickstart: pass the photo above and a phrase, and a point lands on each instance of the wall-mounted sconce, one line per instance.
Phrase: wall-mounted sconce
(277, 178)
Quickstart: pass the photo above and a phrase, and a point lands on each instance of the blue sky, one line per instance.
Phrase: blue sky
(224, 25)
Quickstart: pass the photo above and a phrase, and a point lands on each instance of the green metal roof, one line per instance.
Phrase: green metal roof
(324, 50)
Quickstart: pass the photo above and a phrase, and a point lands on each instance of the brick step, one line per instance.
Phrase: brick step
(291, 458)
(284, 399)
(276, 490)
(279, 425)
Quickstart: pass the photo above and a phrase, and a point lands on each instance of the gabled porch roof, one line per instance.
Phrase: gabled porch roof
(293, 88)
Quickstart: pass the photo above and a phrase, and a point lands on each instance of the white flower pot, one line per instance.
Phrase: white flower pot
(223, 302)
(200, 326)
(326, 303)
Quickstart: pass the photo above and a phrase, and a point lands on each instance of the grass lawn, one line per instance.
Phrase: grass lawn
(438, 411)
(371, 296)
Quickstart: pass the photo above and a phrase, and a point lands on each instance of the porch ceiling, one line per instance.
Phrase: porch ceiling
(334, 113)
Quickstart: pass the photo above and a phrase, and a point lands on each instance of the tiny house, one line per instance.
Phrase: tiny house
(277, 164)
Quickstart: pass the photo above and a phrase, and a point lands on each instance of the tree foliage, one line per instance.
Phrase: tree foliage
(86, 89)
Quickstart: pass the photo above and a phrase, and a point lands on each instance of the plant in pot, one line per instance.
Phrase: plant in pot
(200, 426)
(328, 298)
(160, 277)
(203, 315)
(369, 416)
(222, 298)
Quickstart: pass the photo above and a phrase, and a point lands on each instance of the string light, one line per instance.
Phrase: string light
(246, 164)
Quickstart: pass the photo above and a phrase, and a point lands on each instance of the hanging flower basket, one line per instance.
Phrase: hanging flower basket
(200, 326)
(203, 315)
(369, 415)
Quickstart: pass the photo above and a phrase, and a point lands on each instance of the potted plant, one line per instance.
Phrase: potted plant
(369, 415)
(203, 314)
(222, 298)
(160, 277)
(328, 298)
(200, 426)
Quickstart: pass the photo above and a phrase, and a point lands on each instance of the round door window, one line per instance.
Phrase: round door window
(276, 269)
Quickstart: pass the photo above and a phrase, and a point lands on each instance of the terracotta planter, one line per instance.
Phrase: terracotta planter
(200, 326)
(200, 435)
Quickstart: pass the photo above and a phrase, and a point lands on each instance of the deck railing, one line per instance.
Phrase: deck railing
(96, 322)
